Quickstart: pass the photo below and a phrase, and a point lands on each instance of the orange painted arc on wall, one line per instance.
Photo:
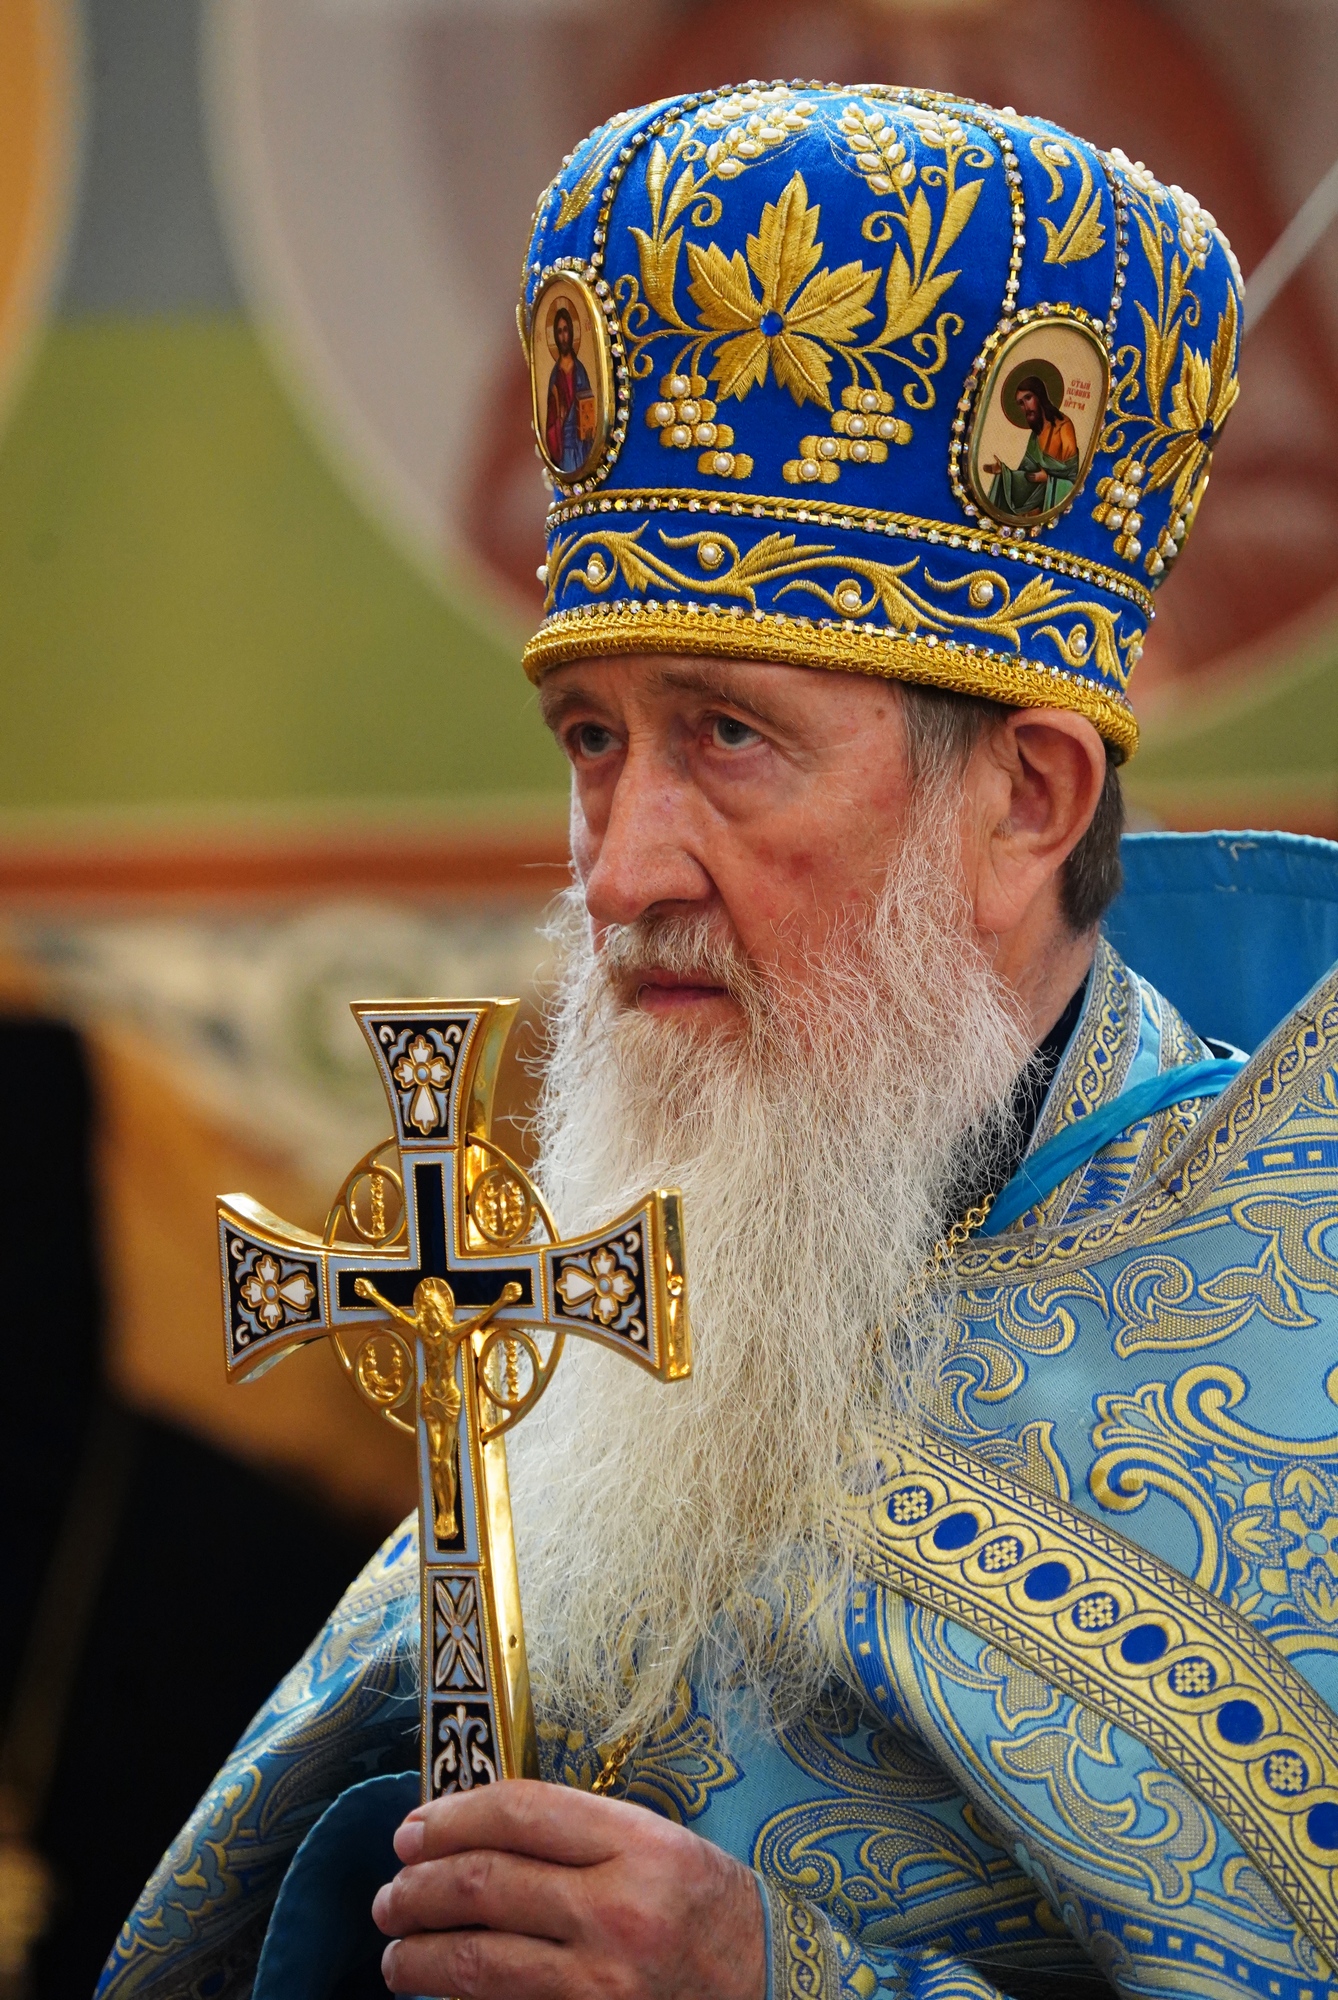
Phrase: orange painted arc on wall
(39, 103)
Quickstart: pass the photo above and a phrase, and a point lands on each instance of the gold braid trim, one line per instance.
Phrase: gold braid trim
(777, 639)
(803, 1954)
(1104, 1621)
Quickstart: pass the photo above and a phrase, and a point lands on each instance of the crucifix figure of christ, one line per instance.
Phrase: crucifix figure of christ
(433, 1320)
(440, 1272)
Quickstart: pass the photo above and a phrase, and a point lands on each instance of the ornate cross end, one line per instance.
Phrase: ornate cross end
(442, 1284)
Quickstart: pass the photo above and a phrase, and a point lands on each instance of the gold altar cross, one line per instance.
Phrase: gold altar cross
(443, 1286)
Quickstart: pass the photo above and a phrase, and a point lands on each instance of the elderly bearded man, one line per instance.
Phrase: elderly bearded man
(899, 1684)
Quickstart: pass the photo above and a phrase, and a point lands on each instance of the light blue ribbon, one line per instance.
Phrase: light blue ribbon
(1051, 1164)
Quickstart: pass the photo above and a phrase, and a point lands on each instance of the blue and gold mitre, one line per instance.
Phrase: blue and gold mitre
(872, 379)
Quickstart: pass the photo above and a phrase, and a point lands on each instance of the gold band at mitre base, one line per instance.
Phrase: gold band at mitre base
(703, 630)
(874, 380)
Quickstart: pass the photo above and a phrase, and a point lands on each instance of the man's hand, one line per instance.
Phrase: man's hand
(535, 1890)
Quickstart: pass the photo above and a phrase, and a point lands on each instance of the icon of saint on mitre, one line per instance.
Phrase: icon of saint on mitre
(1038, 421)
(570, 423)
(1048, 469)
(570, 372)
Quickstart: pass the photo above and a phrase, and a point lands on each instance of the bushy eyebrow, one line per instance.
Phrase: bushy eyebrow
(710, 678)
(556, 704)
(699, 677)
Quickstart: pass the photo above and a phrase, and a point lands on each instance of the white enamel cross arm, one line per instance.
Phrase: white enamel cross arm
(447, 1295)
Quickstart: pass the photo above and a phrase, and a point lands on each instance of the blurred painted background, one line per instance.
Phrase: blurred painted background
(269, 519)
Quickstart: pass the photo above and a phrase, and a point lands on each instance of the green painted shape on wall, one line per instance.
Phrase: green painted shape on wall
(1282, 727)
(193, 610)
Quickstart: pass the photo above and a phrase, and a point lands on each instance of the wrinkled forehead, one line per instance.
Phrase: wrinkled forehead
(767, 689)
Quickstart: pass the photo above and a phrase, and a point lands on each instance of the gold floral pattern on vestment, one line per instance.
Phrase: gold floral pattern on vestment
(1270, 1093)
(1133, 1639)
(675, 1769)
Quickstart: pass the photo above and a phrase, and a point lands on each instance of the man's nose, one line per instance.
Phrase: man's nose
(646, 854)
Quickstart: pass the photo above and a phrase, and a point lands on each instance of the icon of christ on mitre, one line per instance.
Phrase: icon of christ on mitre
(965, 1625)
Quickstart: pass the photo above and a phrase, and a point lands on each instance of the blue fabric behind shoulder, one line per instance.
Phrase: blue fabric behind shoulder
(1073, 1145)
(1235, 928)
(321, 1933)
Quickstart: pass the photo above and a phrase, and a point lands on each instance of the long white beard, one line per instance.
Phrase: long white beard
(819, 1153)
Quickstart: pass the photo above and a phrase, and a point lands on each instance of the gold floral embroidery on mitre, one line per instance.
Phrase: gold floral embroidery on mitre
(685, 415)
(1083, 233)
(862, 429)
(1089, 634)
(1172, 444)
(778, 312)
(801, 313)
(575, 200)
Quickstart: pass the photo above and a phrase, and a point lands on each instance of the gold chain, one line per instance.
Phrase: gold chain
(941, 1254)
(613, 1764)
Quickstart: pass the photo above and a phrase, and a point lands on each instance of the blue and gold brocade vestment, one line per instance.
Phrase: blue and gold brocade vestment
(1086, 1739)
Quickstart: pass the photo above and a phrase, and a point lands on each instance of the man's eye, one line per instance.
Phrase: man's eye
(731, 734)
(590, 740)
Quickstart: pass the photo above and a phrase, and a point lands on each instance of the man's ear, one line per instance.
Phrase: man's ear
(1032, 786)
